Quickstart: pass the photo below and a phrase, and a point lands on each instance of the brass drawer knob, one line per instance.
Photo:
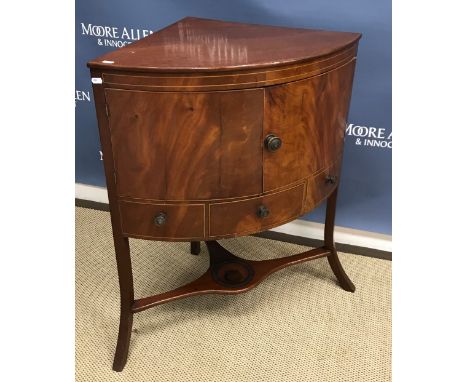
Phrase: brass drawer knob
(272, 142)
(263, 212)
(330, 179)
(160, 219)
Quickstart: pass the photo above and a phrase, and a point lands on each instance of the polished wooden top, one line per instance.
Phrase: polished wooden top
(195, 44)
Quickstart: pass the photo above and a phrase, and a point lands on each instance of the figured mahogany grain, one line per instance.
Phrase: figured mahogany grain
(179, 146)
(178, 138)
(195, 44)
(251, 78)
(240, 217)
(310, 117)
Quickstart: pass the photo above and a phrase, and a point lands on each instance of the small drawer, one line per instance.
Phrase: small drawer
(255, 214)
(163, 221)
(321, 185)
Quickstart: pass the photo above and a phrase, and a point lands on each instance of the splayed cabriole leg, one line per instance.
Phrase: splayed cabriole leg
(124, 267)
(227, 274)
(333, 259)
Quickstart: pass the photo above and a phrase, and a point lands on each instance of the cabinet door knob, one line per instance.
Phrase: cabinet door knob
(330, 179)
(263, 212)
(272, 142)
(160, 219)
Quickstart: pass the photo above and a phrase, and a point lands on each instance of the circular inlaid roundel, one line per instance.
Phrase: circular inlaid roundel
(233, 274)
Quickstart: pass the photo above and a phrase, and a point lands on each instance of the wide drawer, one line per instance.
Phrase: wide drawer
(163, 221)
(255, 214)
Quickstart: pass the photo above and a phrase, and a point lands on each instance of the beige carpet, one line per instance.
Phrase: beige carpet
(298, 325)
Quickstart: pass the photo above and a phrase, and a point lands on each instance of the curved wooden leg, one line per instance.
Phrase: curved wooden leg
(123, 342)
(124, 268)
(339, 272)
(122, 248)
(195, 247)
(333, 259)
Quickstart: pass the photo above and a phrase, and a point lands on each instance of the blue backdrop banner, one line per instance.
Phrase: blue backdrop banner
(364, 200)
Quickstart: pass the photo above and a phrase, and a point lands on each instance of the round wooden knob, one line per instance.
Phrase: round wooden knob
(263, 212)
(330, 179)
(272, 142)
(160, 219)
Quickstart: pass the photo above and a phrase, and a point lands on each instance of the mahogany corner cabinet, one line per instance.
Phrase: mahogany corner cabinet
(213, 129)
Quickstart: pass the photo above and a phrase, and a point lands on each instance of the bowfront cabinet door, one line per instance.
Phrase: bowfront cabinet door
(309, 116)
(186, 146)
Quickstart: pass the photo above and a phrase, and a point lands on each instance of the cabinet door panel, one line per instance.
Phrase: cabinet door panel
(310, 117)
(180, 146)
